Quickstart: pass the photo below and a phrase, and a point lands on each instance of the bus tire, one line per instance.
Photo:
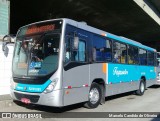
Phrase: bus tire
(95, 95)
(141, 89)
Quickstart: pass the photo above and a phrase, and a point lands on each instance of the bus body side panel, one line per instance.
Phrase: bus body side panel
(74, 81)
(76, 77)
(97, 72)
(113, 89)
(149, 72)
(122, 78)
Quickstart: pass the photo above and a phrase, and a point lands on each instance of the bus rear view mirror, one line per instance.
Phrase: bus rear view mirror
(3, 46)
(75, 43)
(6, 50)
(6, 40)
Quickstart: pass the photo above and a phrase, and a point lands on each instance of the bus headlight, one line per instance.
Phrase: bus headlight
(51, 86)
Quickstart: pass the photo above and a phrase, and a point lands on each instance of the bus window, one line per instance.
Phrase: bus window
(132, 55)
(123, 53)
(120, 53)
(142, 57)
(150, 58)
(101, 49)
(75, 55)
(80, 55)
(68, 49)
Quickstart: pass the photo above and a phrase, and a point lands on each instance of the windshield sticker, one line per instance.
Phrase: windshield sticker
(33, 71)
(22, 65)
(35, 65)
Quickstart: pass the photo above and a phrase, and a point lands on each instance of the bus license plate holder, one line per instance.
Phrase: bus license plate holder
(25, 100)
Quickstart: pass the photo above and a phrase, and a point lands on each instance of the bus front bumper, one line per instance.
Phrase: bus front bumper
(48, 99)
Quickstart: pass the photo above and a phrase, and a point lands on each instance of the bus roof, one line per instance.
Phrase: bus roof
(84, 26)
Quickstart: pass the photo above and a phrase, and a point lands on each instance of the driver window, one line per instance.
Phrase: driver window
(68, 49)
(80, 53)
(75, 55)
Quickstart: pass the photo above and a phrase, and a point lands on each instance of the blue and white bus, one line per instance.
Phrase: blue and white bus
(62, 62)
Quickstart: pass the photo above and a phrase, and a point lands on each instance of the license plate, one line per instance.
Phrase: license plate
(25, 100)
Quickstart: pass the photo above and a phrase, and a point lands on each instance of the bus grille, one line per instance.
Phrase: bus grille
(32, 98)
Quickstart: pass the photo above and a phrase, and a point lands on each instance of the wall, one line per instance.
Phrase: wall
(5, 69)
(4, 18)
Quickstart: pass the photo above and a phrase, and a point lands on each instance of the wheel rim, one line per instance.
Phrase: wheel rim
(142, 87)
(94, 95)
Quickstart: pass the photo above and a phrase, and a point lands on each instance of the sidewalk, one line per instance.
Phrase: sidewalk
(6, 101)
(5, 97)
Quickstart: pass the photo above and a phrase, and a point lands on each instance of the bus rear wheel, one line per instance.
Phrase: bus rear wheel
(95, 95)
(142, 88)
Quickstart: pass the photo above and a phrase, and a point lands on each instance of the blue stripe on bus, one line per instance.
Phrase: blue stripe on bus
(32, 88)
(118, 73)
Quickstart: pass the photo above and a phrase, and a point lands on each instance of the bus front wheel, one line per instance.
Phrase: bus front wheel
(141, 89)
(95, 95)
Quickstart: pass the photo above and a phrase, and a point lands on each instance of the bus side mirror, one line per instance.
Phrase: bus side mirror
(6, 40)
(75, 43)
(3, 46)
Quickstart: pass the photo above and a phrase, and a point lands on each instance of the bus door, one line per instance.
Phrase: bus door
(76, 71)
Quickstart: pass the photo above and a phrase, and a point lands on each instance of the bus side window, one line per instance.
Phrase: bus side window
(123, 53)
(142, 57)
(132, 55)
(75, 55)
(120, 53)
(150, 58)
(68, 49)
(81, 53)
(116, 52)
(101, 50)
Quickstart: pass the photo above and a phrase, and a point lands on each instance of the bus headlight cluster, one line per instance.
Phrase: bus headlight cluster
(51, 86)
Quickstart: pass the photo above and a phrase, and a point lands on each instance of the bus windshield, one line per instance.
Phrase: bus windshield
(36, 53)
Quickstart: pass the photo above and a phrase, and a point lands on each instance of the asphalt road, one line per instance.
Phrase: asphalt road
(128, 102)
